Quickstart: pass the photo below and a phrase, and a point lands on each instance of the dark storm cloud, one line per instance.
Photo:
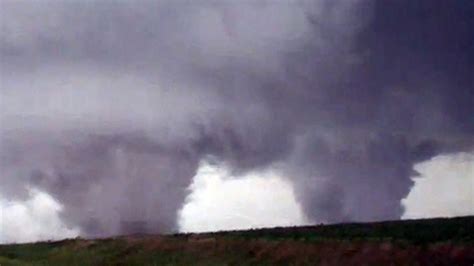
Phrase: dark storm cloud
(110, 106)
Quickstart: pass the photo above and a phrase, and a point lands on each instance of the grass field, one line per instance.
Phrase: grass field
(412, 242)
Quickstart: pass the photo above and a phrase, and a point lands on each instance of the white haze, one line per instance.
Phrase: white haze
(34, 219)
(445, 187)
(220, 201)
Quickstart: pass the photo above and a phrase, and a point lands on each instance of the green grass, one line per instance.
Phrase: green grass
(422, 231)
(107, 252)
(331, 244)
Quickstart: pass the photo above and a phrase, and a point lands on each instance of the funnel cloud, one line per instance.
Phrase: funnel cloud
(111, 106)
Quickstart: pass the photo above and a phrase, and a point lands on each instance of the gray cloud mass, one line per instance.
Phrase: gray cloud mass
(109, 106)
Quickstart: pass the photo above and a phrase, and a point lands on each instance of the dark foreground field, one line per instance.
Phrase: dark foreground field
(415, 242)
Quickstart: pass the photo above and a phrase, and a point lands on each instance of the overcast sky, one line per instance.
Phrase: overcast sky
(120, 117)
